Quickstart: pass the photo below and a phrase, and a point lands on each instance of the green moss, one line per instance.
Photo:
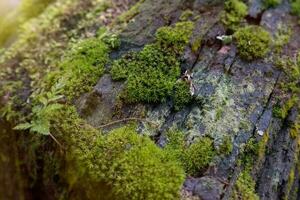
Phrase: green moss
(83, 66)
(226, 147)
(196, 44)
(235, 11)
(295, 7)
(198, 156)
(194, 158)
(290, 183)
(295, 130)
(244, 187)
(252, 42)
(250, 153)
(120, 164)
(282, 111)
(182, 95)
(175, 145)
(133, 165)
(151, 74)
(271, 3)
(185, 15)
(176, 37)
(158, 178)
(262, 146)
(131, 13)
(282, 37)
(111, 39)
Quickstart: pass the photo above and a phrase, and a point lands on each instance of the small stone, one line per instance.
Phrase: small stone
(260, 132)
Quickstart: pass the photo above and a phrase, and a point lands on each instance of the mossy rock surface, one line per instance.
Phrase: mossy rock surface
(144, 100)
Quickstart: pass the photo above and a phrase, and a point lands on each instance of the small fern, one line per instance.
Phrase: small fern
(43, 111)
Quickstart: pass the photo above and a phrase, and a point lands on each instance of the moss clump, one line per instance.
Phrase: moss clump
(271, 3)
(226, 147)
(252, 42)
(244, 187)
(185, 15)
(194, 158)
(198, 156)
(176, 37)
(133, 165)
(235, 11)
(152, 73)
(142, 171)
(282, 111)
(83, 66)
(123, 163)
(175, 145)
(295, 5)
(182, 95)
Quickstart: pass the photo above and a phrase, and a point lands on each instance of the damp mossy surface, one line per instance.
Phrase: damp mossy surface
(151, 74)
(131, 164)
(235, 12)
(253, 42)
(271, 3)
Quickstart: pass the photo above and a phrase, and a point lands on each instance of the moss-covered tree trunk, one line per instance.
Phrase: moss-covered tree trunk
(152, 99)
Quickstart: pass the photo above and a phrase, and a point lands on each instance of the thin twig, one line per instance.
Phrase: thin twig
(223, 181)
(127, 119)
(55, 140)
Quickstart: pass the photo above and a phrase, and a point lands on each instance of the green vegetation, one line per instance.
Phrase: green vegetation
(175, 38)
(282, 37)
(28, 9)
(152, 73)
(83, 66)
(194, 158)
(244, 187)
(199, 155)
(295, 130)
(132, 12)
(290, 183)
(128, 156)
(291, 69)
(131, 164)
(226, 147)
(185, 15)
(252, 42)
(235, 11)
(182, 95)
(44, 111)
(295, 5)
(271, 3)
(282, 111)
(32, 8)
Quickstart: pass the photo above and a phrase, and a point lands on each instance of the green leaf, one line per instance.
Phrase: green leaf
(43, 100)
(23, 126)
(52, 108)
(41, 126)
(55, 98)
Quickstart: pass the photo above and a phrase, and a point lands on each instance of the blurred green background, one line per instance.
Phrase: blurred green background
(13, 13)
